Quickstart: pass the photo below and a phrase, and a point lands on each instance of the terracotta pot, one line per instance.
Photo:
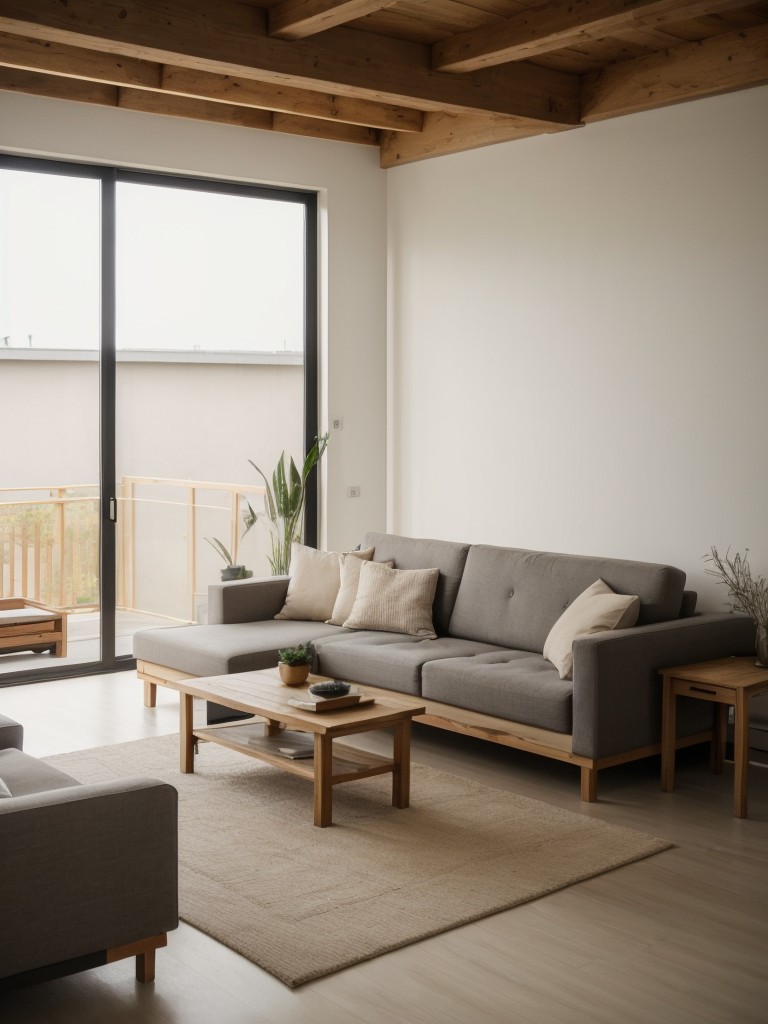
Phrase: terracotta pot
(293, 675)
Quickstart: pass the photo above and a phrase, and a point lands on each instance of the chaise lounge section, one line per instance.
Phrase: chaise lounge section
(485, 673)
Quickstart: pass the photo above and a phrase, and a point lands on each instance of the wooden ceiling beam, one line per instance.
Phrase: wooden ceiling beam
(562, 23)
(76, 62)
(297, 19)
(82, 91)
(451, 133)
(230, 38)
(737, 60)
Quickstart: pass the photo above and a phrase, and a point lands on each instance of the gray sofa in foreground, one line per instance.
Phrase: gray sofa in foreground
(88, 873)
(485, 674)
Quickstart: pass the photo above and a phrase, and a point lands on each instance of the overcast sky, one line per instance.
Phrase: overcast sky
(196, 271)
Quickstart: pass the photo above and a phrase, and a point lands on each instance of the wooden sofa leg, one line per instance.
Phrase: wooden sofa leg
(589, 784)
(144, 951)
(150, 694)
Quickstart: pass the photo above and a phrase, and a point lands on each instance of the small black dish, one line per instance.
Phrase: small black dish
(333, 689)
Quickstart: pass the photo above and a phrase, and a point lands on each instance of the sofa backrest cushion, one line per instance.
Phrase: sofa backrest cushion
(513, 597)
(412, 553)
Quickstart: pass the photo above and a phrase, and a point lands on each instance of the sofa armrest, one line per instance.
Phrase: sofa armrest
(11, 733)
(617, 689)
(86, 868)
(246, 600)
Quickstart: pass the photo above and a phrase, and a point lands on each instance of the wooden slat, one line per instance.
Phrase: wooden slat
(737, 60)
(559, 24)
(302, 102)
(316, 129)
(297, 19)
(451, 133)
(231, 38)
(78, 62)
(16, 80)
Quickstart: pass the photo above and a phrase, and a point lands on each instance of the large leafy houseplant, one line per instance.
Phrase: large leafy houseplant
(284, 504)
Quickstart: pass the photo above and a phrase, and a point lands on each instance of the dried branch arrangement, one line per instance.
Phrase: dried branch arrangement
(749, 593)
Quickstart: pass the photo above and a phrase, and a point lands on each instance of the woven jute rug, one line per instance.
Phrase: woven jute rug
(303, 902)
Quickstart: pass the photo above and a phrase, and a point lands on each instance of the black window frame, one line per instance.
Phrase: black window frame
(109, 177)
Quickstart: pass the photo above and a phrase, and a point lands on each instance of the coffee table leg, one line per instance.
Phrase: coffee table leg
(401, 772)
(186, 739)
(323, 783)
(718, 739)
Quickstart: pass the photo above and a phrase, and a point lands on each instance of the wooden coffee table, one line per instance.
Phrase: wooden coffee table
(264, 696)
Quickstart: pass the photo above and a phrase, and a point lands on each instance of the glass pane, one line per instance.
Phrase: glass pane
(210, 329)
(49, 417)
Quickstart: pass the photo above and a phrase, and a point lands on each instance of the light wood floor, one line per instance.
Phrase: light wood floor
(679, 938)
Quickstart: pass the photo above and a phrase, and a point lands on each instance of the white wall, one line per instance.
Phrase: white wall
(352, 248)
(578, 348)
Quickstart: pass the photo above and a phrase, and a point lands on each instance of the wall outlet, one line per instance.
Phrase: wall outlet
(353, 492)
(337, 422)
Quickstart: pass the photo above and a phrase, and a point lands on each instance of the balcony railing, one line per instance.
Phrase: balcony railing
(49, 542)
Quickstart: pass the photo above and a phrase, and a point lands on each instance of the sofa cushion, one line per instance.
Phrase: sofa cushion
(513, 597)
(411, 553)
(395, 600)
(596, 610)
(4, 791)
(24, 775)
(314, 583)
(515, 685)
(217, 650)
(391, 660)
(350, 581)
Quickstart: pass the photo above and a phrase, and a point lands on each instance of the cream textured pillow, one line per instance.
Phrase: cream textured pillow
(351, 564)
(395, 600)
(314, 584)
(594, 611)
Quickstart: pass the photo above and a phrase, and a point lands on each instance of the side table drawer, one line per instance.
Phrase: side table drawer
(704, 691)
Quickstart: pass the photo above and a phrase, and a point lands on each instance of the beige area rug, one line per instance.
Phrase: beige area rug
(302, 902)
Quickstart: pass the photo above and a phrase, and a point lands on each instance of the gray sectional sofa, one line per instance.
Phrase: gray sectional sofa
(485, 674)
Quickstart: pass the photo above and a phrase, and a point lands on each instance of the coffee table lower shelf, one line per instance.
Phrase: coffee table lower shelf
(256, 739)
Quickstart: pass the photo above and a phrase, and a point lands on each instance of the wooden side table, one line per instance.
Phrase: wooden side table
(727, 681)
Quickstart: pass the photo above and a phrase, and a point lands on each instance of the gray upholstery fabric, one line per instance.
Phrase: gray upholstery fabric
(390, 660)
(412, 553)
(617, 686)
(217, 650)
(516, 685)
(11, 733)
(84, 869)
(246, 600)
(688, 604)
(513, 597)
(24, 774)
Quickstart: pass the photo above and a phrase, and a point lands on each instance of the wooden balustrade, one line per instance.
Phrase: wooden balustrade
(49, 537)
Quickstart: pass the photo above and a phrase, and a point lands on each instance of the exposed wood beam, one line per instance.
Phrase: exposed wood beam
(77, 62)
(34, 83)
(297, 19)
(451, 133)
(737, 60)
(230, 38)
(300, 102)
(562, 23)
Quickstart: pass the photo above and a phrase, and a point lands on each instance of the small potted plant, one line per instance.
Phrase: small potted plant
(293, 664)
(230, 570)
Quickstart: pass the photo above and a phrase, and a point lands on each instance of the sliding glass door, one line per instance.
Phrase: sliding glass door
(157, 334)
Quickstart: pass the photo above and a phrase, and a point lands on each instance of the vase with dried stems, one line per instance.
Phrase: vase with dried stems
(748, 593)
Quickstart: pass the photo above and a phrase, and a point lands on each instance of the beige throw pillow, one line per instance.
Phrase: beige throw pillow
(597, 609)
(395, 600)
(314, 583)
(350, 564)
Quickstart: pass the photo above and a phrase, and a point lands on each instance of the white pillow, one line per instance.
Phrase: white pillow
(351, 564)
(314, 583)
(395, 600)
(4, 791)
(597, 609)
